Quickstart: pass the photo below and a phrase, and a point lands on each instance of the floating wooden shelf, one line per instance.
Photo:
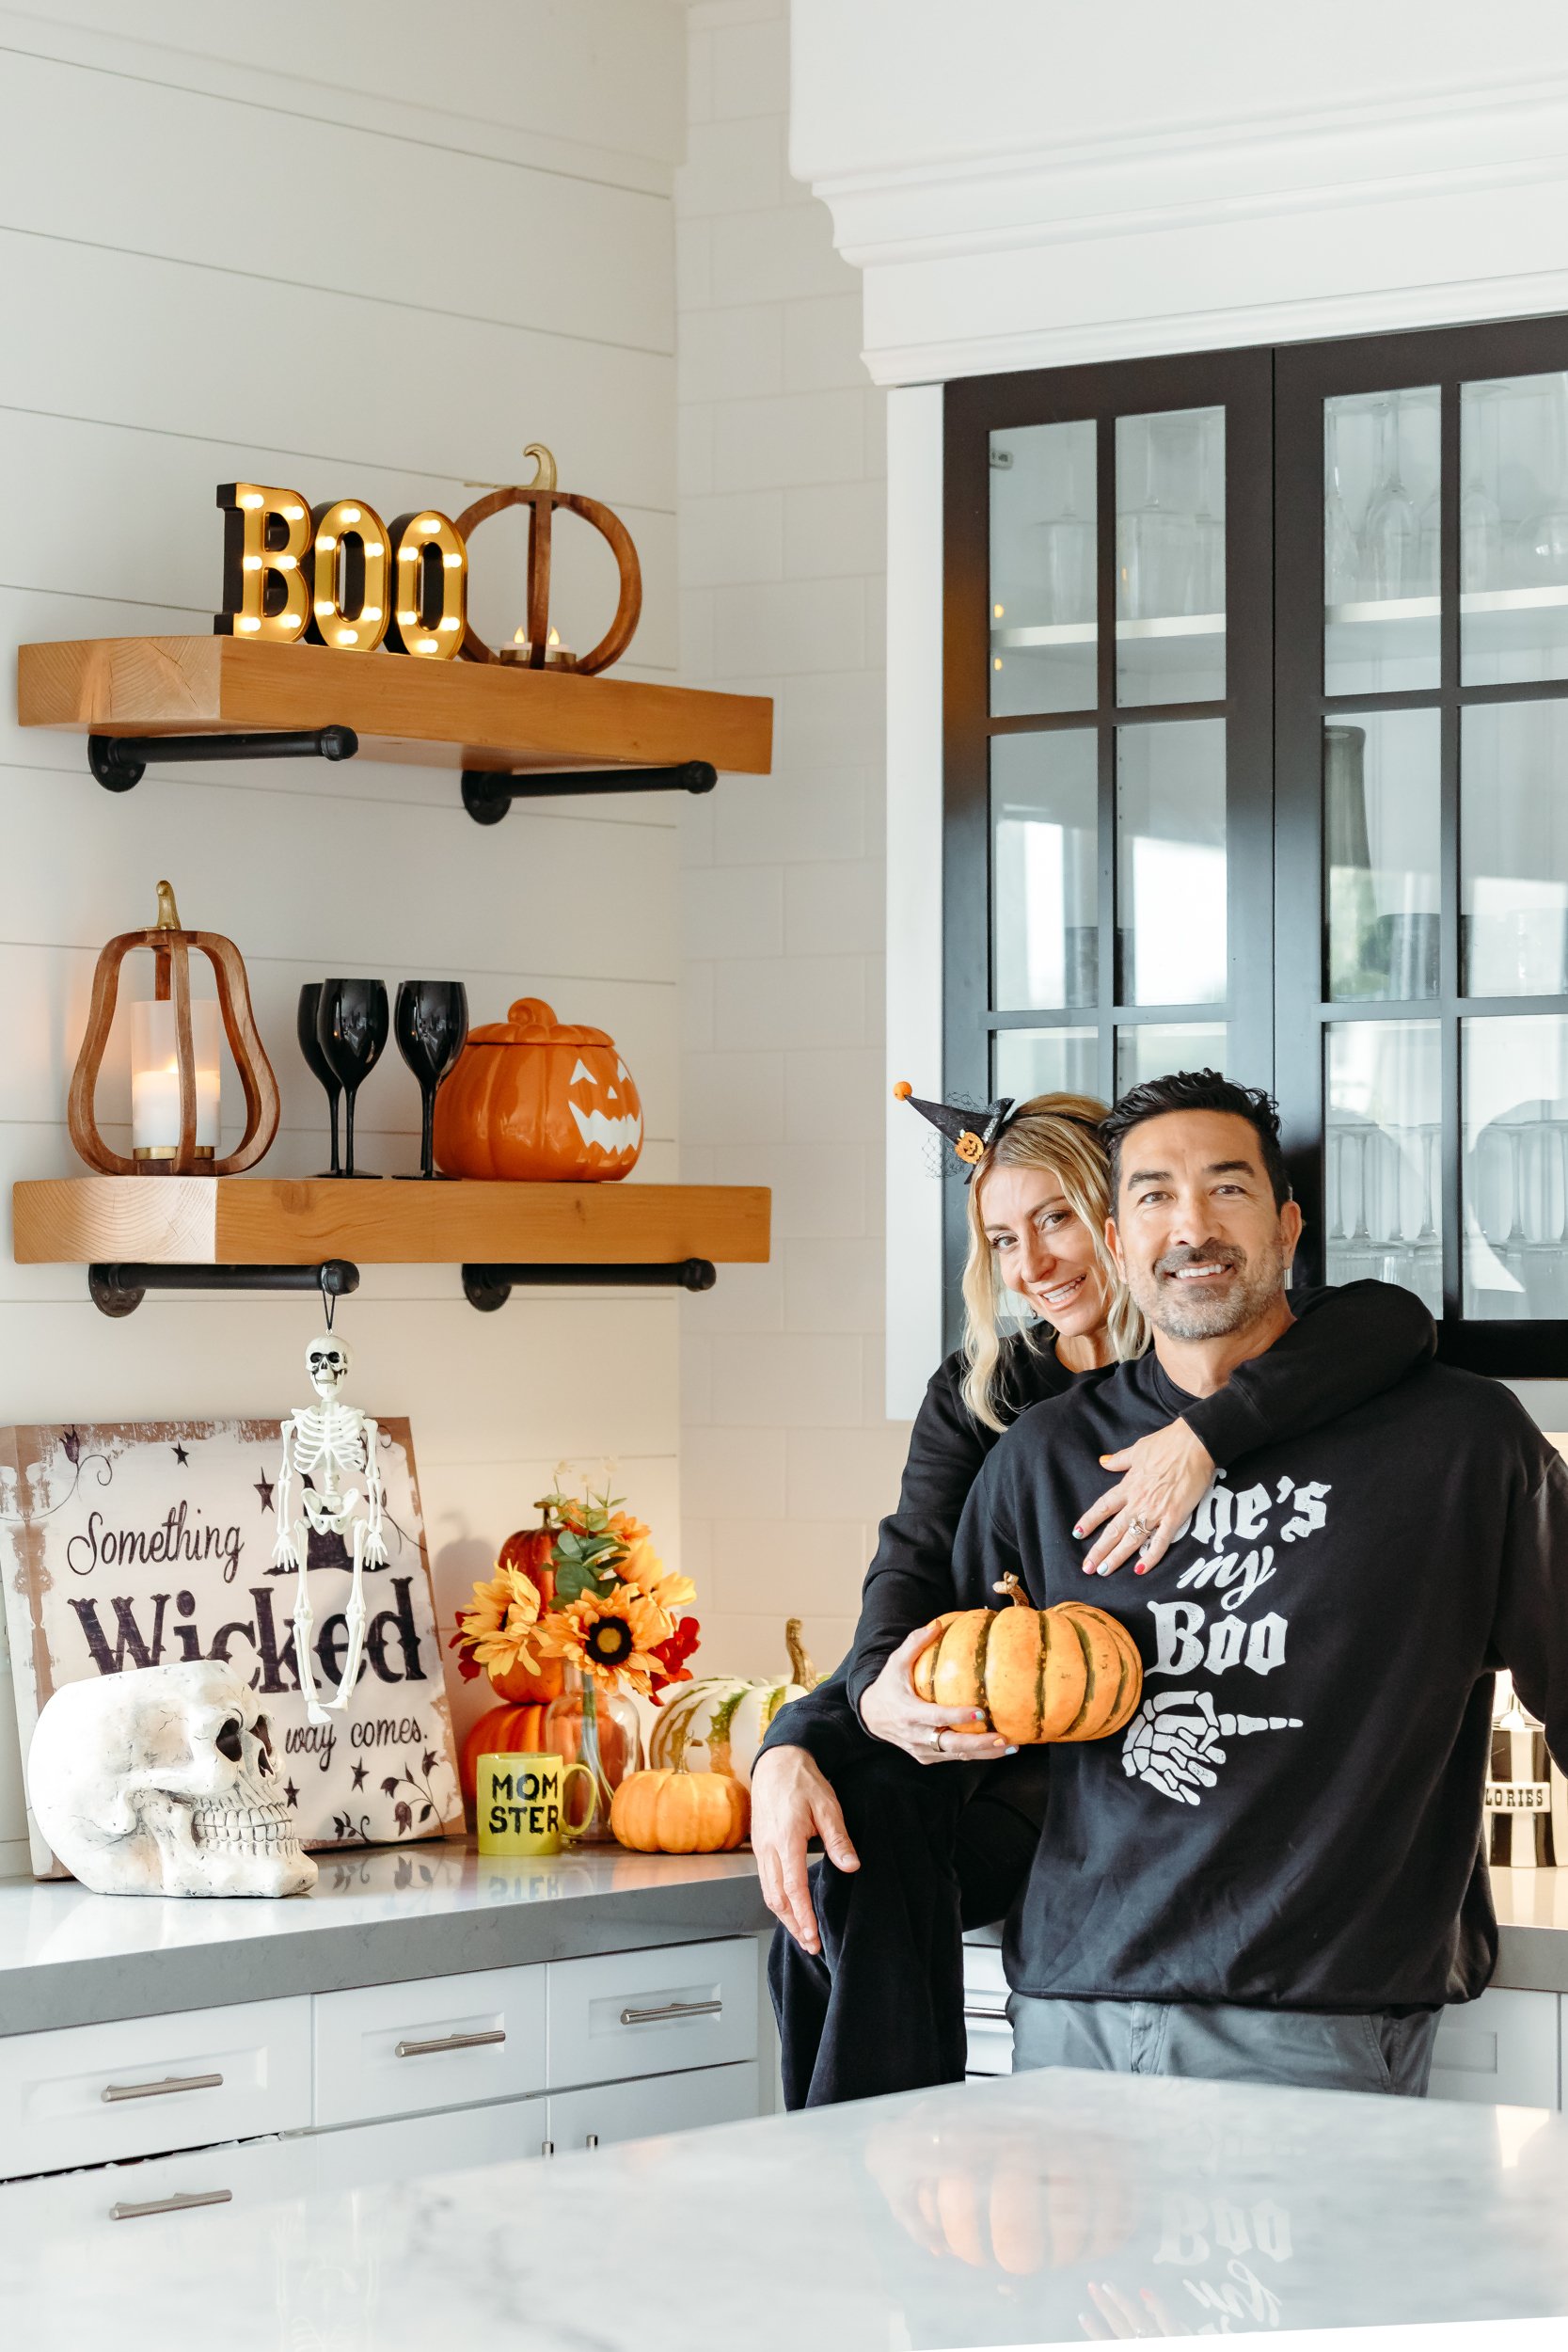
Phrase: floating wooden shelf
(444, 714)
(257, 1220)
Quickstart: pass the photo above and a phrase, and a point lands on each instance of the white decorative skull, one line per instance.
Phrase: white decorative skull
(161, 1782)
(329, 1362)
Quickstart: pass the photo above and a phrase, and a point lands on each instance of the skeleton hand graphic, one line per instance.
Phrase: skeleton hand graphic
(1173, 1741)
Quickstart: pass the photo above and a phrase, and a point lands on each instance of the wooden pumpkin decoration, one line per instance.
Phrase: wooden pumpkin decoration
(680, 1812)
(718, 1725)
(528, 1551)
(171, 949)
(1039, 1674)
(542, 496)
(533, 1099)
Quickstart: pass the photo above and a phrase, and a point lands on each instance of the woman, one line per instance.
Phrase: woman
(866, 1965)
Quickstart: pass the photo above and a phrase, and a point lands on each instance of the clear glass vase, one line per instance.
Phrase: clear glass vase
(588, 1726)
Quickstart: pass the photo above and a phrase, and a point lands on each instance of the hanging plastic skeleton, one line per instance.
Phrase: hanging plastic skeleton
(324, 1445)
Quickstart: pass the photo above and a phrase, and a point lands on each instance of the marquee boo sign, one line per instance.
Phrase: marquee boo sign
(337, 575)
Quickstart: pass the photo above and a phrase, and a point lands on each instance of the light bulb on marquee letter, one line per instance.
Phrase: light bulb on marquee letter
(430, 586)
(351, 590)
(266, 533)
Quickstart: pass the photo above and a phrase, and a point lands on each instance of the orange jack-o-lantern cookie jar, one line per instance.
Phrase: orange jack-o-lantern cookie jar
(536, 1100)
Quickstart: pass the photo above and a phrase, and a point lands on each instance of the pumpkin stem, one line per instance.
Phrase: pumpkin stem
(800, 1668)
(1011, 1585)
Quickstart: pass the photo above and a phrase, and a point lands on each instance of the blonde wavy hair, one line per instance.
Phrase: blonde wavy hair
(1057, 1132)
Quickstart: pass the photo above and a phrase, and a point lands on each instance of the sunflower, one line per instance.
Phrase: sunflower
(614, 1638)
(501, 1625)
(644, 1568)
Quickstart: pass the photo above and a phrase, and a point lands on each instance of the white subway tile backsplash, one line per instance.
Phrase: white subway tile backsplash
(695, 433)
(735, 910)
(782, 1001)
(817, 1188)
(842, 528)
(802, 437)
(834, 1287)
(751, 69)
(819, 622)
(822, 344)
(725, 1095)
(730, 355)
(726, 542)
(782, 256)
(844, 1473)
(731, 166)
(838, 717)
(733, 1474)
(826, 906)
(820, 1563)
(848, 1081)
(805, 811)
(809, 1380)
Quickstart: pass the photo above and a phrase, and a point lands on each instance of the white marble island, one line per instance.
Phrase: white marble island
(1046, 2209)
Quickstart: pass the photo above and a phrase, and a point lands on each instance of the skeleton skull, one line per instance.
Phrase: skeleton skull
(328, 1361)
(161, 1782)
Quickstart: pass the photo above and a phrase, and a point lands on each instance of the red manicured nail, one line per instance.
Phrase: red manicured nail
(1078, 1530)
(1142, 1568)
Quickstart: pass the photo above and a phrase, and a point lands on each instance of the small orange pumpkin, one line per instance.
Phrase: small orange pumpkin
(534, 1100)
(680, 1812)
(529, 1551)
(1039, 1674)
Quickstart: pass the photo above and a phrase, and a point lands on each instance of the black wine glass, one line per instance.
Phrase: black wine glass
(430, 1022)
(316, 1061)
(351, 1031)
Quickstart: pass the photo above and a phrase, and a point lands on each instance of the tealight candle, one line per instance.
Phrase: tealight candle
(557, 655)
(155, 1080)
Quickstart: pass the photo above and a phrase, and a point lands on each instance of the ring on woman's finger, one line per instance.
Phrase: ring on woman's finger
(937, 1740)
(1138, 1527)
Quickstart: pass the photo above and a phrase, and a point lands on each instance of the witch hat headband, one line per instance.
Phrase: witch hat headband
(971, 1133)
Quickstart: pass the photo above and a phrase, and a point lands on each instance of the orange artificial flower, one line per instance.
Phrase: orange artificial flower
(502, 1623)
(613, 1638)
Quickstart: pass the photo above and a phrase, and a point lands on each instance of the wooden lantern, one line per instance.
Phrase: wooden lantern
(541, 496)
(171, 953)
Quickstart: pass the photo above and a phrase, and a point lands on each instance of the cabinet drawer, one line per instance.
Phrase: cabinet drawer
(439, 2041)
(580, 2120)
(1500, 2051)
(464, 2139)
(93, 2094)
(115, 2204)
(655, 2013)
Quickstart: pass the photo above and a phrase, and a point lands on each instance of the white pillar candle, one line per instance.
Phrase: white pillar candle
(155, 1077)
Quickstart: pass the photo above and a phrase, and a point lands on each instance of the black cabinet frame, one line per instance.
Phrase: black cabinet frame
(1274, 707)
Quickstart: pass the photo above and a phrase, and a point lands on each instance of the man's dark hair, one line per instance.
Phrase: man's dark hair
(1197, 1090)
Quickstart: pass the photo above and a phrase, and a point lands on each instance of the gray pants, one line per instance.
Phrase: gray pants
(1302, 2049)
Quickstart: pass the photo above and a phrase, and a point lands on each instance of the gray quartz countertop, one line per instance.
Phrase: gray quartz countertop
(68, 1958)
(1042, 2210)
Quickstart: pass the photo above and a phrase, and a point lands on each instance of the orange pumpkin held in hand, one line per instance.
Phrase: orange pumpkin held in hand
(534, 1100)
(1040, 1674)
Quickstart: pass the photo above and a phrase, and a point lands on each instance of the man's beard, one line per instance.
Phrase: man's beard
(1194, 1311)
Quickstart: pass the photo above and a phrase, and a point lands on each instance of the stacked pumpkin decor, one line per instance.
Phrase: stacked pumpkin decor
(534, 1100)
(1038, 1676)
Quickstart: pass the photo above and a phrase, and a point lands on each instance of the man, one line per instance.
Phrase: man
(1276, 1873)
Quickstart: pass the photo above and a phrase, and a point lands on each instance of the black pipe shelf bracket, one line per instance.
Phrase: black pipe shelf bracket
(118, 761)
(119, 1290)
(488, 1287)
(488, 794)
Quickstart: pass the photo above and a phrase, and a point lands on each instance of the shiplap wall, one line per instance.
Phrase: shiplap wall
(368, 248)
(787, 1457)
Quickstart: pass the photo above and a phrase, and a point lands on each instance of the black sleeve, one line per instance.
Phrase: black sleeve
(1345, 1346)
(825, 1723)
(910, 1578)
(1530, 1627)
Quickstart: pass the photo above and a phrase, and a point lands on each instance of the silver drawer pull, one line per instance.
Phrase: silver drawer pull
(671, 2008)
(992, 2016)
(114, 2091)
(546, 2147)
(592, 2140)
(448, 2041)
(185, 2201)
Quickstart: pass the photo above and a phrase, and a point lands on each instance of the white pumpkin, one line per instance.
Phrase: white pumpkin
(718, 1725)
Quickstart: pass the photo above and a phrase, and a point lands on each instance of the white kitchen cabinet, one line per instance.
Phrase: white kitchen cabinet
(662, 2102)
(1500, 2051)
(96, 2094)
(435, 2042)
(177, 2197)
(990, 2036)
(652, 2012)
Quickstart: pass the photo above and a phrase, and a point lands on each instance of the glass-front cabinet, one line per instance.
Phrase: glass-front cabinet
(1257, 756)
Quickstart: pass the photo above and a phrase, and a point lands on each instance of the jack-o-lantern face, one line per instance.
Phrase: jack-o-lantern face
(536, 1100)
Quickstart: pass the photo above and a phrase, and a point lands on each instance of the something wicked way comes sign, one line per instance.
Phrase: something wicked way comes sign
(142, 1545)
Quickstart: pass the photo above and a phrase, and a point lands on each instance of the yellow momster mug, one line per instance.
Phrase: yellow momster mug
(521, 1803)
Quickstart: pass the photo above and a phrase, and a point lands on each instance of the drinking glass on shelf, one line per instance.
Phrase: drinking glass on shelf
(1481, 552)
(1390, 536)
(316, 1061)
(1156, 542)
(1540, 542)
(1341, 556)
(1067, 564)
(430, 1022)
(351, 1031)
